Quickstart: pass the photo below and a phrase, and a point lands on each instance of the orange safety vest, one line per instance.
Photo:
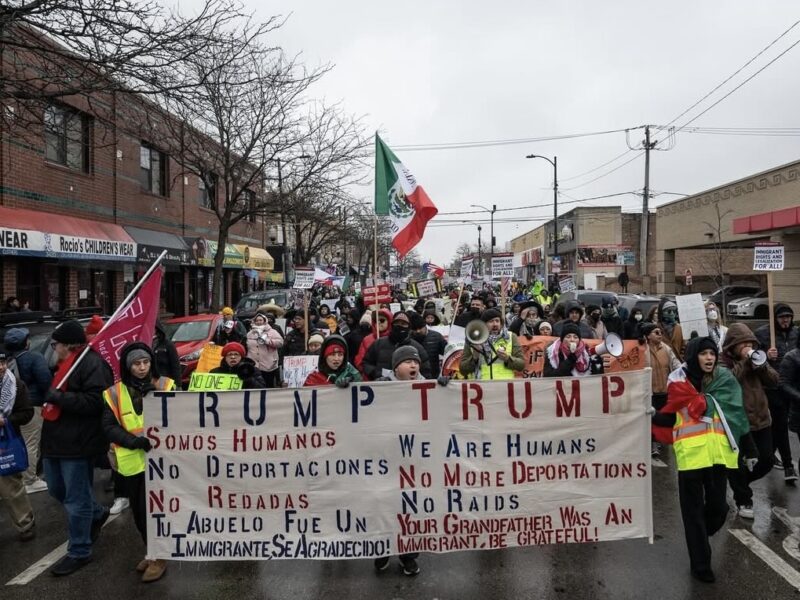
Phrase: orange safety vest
(699, 444)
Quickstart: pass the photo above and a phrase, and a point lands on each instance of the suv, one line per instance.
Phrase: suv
(248, 305)
(640, 301)
(587, 297)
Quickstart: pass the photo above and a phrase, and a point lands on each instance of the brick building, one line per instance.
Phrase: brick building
(89, 197)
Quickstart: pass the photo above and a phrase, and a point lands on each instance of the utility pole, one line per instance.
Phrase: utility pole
(480, 255)
(648, 145)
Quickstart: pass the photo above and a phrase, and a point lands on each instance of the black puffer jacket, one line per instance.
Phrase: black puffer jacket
(166, 355)
(379, 357)
(247, 372)
(790, 386)
(785, 340)
(434, 344)
(78, 432)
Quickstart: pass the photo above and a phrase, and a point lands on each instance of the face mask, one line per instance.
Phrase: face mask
(712, 315)
(398, 334)
(668, 317)
(637, 317)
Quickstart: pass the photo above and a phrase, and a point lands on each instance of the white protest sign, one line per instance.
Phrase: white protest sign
(303, 279)
(297, 368)
(442, 329)
(502, 265)
(331, 304)
(692, 315)
(426, 287)
(566, 284)
(385, 468)
(768, 256)
(466, 267)
(395, 307)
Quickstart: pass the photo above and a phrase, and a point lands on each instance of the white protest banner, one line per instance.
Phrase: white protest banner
(386, 468)
(503, 265)
(395, 307)
(303, 279)
(692, 315)
(466, 267)
(297, 368)
(566, 284)
(768, 256)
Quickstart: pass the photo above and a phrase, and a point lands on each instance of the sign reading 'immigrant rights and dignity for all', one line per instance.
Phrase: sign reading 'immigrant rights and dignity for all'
(392, 467)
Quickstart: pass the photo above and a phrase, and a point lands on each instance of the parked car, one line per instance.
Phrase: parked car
(732, 292)
(190, 334)
(587, 297)
(640, 301)
(248, 305)
(754, 307)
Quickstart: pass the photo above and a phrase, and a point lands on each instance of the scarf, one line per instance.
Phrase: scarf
(713, 333)
(8, 393)
(561, 350)
(63, 368)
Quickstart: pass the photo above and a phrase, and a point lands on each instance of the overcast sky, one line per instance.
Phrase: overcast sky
(427, 72)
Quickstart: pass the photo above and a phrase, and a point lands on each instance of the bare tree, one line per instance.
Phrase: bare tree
(716, 265)
(246, 117)
(407, 263)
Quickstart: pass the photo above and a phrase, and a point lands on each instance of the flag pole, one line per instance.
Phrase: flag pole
(375, 273)
(120, 308)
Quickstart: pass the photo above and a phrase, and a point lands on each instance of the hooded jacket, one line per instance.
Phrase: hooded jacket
(753, 380)
(166, 355)
(78, 432)
(262, 346)
(370, 339)
(587, 333)
(673, 333)
(324, 375)
(379, 357)
(785, 340)
(355, 336)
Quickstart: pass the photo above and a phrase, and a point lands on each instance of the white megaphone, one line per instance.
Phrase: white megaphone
(757, 357)
(611, 345)
(476, 332)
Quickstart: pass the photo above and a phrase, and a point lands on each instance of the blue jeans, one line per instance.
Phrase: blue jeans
(69, 480)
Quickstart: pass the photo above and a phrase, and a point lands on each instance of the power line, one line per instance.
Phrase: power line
(502, 142)
(607, 173)
(545, 205)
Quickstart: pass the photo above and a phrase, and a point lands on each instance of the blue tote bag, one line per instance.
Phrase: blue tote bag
(13, 454)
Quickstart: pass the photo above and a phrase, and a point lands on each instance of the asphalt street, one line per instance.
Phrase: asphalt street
(752, 559)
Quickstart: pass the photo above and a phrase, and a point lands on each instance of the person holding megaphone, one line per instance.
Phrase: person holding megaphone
(750, 367)
(490, 351)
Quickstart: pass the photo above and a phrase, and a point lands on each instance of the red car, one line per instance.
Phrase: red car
(190, 335)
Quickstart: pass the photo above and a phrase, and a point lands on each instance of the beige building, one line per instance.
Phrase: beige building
(725, 222)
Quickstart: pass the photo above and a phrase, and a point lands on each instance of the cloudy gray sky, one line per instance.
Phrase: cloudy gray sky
(427, 72)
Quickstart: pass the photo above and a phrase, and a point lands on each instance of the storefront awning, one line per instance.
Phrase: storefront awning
(32, 233)
(766, 222)
(202, 252)
(150, 244)
(256, 258)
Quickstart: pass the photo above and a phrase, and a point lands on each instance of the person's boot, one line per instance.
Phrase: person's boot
(154, 571)
(142, 566)
(789, 475)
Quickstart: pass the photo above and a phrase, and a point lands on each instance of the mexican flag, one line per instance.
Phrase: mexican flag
(398, 195)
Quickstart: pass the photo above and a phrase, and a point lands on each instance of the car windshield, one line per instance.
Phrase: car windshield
(253, 302)
(189, 331)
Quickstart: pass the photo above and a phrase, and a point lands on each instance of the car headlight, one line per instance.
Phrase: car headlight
(747, 304)
(190, 357)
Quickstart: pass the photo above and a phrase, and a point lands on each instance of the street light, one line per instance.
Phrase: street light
(491, 220)
(553, 162)
(283, 213)
(480, 256)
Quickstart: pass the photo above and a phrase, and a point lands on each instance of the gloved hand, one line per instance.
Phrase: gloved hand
(750, 463)
(142, 443)
(344, 382)
(651, 410)
(443, 380)
(147, 388)
(697, 407)
(55, 396)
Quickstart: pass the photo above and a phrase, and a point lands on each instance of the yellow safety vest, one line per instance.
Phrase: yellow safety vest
(498, 369)
(699, 444)
(130, 462)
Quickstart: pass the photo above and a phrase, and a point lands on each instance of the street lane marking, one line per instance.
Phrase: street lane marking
(45, 562)
(791, 544)
(774, 562)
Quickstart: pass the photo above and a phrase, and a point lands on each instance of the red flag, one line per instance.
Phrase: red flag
(136, 322)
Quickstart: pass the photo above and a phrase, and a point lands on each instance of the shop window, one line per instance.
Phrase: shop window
(67, 134)
(207, 191)
(153, 170)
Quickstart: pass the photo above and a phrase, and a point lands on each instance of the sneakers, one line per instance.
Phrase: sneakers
(655, 449)
(119, 505)
(706, 575)
(142, 566)
(97, 524)
(154, 571)
(746, 511)
(68, 565)
(789, 475)
(410, 566)
(37, 485)
(381, 563)
(776, 463)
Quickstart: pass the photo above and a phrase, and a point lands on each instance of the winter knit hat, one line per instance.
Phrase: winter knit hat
(69, 332)
(669, 304)
(134, 355)
(15, 338)
(783, 309)
(316, 339)
(227, 312)
(333, 346)
(417, 322)
(233, 347)
(570, 328)
(489, 314)
(95, 325)
(401, 317)
(404, 353)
